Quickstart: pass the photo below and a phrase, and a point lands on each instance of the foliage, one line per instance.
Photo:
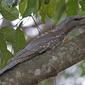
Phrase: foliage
(11, 9)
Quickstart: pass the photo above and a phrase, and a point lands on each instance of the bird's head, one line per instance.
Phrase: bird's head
(72, 22)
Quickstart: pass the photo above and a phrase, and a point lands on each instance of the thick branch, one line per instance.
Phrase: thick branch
(47, 65)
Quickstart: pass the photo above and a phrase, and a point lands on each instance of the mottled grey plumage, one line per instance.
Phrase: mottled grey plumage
(45, 42)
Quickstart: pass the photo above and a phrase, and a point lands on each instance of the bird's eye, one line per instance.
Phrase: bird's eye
(76, 19)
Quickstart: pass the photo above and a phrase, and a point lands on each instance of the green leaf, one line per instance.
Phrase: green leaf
(10, 13)
(60, 9)
(54, 9)
(23, 6)
(15, 37)
(51, 7)
(72, 7)
(82, 4)
(9, 34)
(46, 1)
(5, 57)
(4, 53)
(32, 7)
(19, 41)
(3, 46)
(46, 82)
(47, 9)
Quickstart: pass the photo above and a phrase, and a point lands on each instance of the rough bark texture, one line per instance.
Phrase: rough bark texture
(47, 64)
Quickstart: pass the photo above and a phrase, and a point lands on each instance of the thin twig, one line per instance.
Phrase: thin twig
(38, 28)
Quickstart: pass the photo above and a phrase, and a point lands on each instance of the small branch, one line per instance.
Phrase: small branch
(36, 25)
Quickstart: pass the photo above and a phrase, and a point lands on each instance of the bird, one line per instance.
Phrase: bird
(45, 42)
